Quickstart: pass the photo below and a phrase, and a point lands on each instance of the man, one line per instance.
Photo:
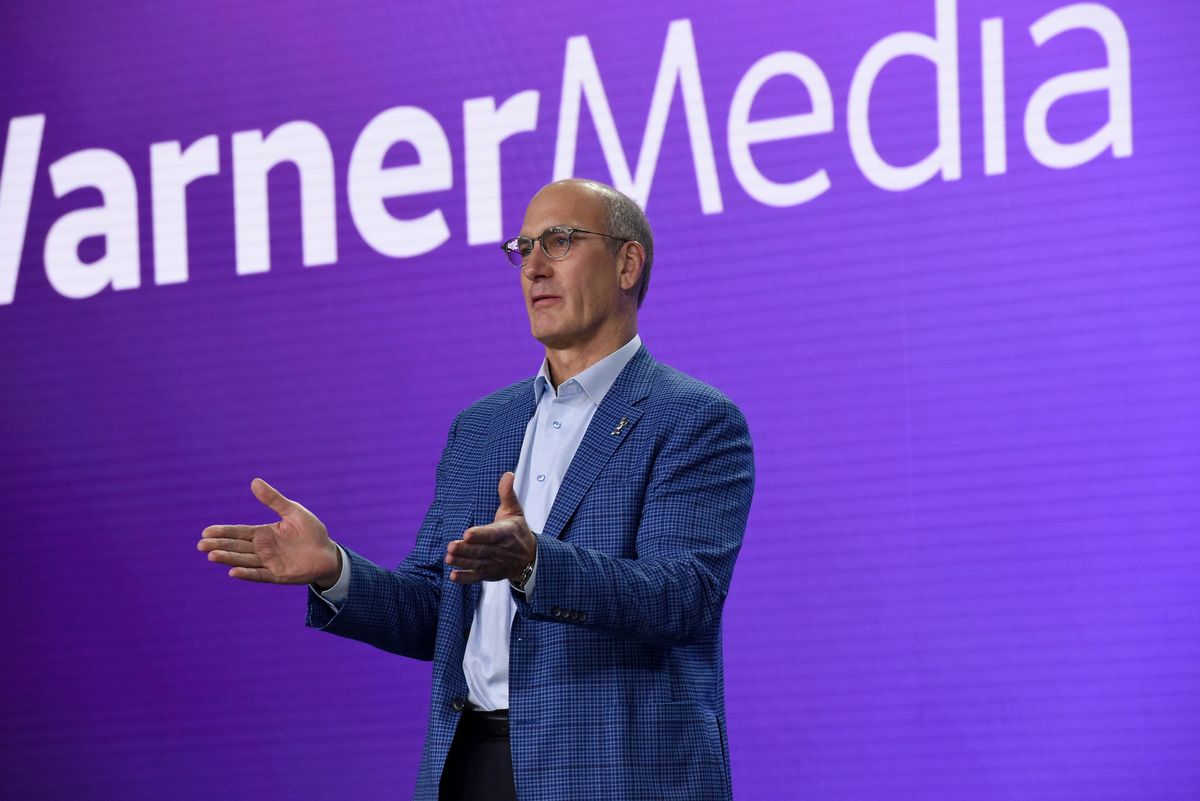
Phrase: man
(575, 630)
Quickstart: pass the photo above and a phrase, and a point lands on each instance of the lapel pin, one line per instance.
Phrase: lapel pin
(624, 422)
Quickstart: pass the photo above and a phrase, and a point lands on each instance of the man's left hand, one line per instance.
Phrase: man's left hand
(499, 550)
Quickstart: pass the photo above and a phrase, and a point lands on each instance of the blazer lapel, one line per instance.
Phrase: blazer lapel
(614, 419)
(503, 449)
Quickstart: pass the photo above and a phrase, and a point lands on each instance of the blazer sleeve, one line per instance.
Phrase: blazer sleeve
(690, 530)
(395, 610)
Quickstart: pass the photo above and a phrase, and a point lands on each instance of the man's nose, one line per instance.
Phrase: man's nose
(537, 264)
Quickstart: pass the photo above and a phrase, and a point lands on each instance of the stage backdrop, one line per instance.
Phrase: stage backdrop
(943, 254)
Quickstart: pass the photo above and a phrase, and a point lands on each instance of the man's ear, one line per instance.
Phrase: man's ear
(632, 258)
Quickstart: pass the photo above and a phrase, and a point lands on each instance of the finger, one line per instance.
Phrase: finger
(259, 574)
(270, 496)
(509, 503)
(465, 577)
(229, 532)
(476, 551)
(214, 544)
(500, 531)
(465, 563)
(235, 559)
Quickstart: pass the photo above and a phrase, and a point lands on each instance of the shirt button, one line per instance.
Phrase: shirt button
(556, 424)
(541, 477)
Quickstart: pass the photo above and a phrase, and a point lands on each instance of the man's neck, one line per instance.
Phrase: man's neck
(566, 363)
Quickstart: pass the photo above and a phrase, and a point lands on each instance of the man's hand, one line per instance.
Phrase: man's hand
(499, 550)
(296, 550)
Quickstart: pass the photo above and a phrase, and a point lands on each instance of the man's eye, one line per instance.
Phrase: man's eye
(561, 240)
(525, 247)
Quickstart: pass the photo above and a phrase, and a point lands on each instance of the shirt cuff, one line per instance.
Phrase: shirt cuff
(528, 584)
(335, 595)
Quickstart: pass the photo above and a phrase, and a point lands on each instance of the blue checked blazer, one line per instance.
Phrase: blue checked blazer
(616, 685)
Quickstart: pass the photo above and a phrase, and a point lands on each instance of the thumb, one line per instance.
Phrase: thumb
(509, 504)
(269, 496)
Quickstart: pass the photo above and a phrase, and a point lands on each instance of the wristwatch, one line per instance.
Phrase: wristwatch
(526, 574)
(528, 571)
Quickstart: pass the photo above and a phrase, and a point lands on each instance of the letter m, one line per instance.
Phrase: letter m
(581, 79)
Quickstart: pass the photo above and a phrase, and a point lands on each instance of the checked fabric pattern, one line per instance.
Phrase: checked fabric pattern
(616, 686)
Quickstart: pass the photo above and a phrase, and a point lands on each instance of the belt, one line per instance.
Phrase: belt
(490, 724)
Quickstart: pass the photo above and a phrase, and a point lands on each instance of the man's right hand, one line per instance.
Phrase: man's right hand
(295, 550)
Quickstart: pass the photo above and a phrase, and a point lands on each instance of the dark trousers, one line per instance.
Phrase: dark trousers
(479, 765)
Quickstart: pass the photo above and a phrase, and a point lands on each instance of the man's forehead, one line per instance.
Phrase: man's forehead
(564, 204)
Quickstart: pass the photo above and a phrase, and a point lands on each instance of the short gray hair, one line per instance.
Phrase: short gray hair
(627, 221)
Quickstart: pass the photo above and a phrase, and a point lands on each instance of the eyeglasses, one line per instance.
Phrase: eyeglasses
(555, 241)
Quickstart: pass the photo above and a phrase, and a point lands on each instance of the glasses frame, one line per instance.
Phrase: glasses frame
(514, 245)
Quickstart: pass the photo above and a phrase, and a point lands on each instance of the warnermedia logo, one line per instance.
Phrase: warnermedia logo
(488, 123)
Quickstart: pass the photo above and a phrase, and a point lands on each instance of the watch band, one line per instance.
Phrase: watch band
(528, 571)
(525, 575)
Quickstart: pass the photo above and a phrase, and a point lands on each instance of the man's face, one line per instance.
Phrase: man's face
(571, 302)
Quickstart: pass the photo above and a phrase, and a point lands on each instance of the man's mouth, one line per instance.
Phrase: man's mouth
(545, 300)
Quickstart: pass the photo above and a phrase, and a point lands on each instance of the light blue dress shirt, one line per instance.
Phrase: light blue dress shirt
(560, 419)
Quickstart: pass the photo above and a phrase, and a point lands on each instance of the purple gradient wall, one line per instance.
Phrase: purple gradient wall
(972, 567)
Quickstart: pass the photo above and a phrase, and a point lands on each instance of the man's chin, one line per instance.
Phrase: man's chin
(552, 338)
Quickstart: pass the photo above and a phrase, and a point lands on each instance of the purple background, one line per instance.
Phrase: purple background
(971, 569)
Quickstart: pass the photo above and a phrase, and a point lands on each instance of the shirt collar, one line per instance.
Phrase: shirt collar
(596, 380)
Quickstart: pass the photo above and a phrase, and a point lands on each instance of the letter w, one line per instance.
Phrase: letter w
(582, 78)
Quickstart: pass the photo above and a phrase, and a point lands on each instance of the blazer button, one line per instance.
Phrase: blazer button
(582, 617)
(556, 612)
(458, 704)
